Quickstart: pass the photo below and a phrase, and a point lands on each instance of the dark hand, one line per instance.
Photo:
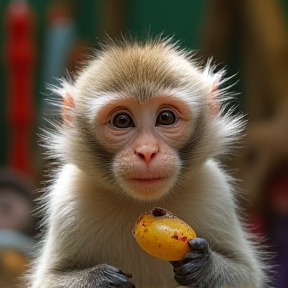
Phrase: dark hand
(190, 271)
(106, 276)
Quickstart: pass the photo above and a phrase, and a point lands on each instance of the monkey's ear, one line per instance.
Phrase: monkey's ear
(213, 101)
(67, 106)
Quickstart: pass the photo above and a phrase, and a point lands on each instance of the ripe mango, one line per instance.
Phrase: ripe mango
(163, 235)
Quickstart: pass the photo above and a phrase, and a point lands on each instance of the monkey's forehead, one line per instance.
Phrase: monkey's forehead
(140, 70)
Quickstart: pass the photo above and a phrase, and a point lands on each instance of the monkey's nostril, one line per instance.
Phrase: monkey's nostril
(141, 155)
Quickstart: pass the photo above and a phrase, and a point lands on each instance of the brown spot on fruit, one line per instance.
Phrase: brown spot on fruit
(175, 236)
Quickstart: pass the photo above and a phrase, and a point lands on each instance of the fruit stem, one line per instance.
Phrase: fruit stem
(161, 212)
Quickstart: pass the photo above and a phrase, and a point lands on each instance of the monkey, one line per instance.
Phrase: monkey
(143, 124)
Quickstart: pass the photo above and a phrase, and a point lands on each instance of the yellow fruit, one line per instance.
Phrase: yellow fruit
(163, 235)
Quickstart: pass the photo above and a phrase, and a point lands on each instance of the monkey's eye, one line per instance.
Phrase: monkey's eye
(122, 120)
(166, 118)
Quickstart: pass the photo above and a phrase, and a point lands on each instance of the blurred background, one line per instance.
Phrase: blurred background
(41, 40)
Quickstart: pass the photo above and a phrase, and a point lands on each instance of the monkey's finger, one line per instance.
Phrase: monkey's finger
(188, 267)
(174, 263)
(128, 275)
(194, 255)
(116, 277)
(111, 269)
(191, 256)
(199, 244)
(119, 280)
(185, 280)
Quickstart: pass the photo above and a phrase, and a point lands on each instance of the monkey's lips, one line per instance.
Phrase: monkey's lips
(148, 188)
(148, 181)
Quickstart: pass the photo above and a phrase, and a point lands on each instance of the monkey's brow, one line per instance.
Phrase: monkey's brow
(99, 99)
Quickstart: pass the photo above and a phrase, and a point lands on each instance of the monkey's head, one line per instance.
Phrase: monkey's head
(139, 116)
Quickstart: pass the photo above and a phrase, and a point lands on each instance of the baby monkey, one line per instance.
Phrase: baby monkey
(143, 125)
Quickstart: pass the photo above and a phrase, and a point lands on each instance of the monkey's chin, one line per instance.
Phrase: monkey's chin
(148, 189)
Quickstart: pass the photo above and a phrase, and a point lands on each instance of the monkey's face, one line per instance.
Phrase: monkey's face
(145, 138)
(143, 116)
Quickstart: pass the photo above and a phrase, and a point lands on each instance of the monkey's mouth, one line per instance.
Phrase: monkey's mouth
(148, 188)
(149, 180)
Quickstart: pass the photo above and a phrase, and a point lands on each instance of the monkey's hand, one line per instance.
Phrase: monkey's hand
(191, 270)
(100, 276)
(106, 276)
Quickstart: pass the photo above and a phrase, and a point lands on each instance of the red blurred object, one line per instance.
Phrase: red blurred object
(278, 192)
(20, 54)
(257, 226)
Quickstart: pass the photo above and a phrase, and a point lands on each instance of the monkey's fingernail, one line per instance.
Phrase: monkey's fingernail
(198, 244)
(129, 275)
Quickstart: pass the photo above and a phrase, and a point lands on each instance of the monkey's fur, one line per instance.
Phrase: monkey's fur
(90, 213)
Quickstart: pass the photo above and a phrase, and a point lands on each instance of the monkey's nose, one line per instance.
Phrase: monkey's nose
(147, 153)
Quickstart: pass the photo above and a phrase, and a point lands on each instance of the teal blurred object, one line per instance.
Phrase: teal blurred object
(59, 40)
(11, 239)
